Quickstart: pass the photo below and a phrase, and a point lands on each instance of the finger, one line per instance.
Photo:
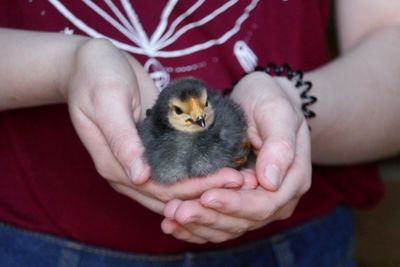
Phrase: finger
(117, 125)
(278, 132)
(194, 233)
(116, 122)
(148, 202)
(148, 89)
(236, 226)
(210, 234)
(171, 227)
(110, 136)
(261, 205)
(193, 187)
(249, 179)
(299, 176)
(192, 215)
(254, 204)
(171, 208)
(284, 212)
(93, 139)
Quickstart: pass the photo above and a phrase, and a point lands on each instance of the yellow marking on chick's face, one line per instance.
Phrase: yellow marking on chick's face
(195, 108)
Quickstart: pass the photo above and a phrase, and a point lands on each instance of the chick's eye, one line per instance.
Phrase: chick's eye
(207, 103)
(178, 110)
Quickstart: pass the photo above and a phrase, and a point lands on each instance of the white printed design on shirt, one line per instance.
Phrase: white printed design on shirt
(165, 33)
(246, 57)
(155, 45)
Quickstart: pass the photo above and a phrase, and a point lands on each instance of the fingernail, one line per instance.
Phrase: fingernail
(135, 171)
(273, 175)
(171, 207)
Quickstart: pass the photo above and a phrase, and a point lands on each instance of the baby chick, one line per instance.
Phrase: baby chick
(191, 131)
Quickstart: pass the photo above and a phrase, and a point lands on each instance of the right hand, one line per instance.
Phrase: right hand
(105, 103)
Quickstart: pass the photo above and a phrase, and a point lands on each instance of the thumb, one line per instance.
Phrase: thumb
(277, 153)
(116, 121)
(275, 158)
(125, 144)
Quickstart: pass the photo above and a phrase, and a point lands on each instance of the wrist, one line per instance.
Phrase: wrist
(33, 67)
(64, 72)
(296, 78)
(256, 88)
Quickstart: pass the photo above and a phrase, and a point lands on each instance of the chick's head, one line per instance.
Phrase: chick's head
(189, 109)
(192, 113)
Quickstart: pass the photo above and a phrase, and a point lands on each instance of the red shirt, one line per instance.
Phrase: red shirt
(48, 181)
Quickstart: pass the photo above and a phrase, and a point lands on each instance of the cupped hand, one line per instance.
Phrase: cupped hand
(280, 134)
(223, 214)
(107, 93)
(105, 103)
(276, 125)
(154, 195)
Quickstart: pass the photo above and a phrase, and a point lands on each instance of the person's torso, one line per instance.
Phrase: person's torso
(48, 181)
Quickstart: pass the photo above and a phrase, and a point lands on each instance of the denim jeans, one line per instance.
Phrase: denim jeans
(323, 242)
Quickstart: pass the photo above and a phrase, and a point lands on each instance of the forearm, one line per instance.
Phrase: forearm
(34, 66)
(359, 102)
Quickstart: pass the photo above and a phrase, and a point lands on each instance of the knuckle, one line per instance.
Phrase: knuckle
(288, 210)
(261, 216)
(162, 194)
(238, 230)
(266, 212)
(181, 234)
(108, 168)
(286, 214)
(98, 43)
(284, 149)
(220, 237)
(306, 185)
(137, 112)
(104, 170)
(108, 90)
(274, 105)
(116, 187)
(124, 149)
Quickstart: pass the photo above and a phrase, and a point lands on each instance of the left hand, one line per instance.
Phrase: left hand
(278, 130)
(154, 196)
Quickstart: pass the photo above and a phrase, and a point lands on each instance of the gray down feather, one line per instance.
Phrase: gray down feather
(174, 155)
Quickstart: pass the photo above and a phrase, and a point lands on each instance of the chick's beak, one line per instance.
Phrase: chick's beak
(200, 121)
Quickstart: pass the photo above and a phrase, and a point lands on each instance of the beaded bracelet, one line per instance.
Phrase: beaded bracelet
(296, 76)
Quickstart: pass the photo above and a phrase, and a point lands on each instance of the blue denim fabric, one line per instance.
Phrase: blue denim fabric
(323, 242)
